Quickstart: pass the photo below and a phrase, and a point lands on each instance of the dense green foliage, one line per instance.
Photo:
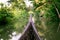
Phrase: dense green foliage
(21, 20)
(48, 27)
(6, 23)
(16, 17)
(5, 16)
(57, 3)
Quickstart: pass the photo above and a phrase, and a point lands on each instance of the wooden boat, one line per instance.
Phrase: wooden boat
(30, 32)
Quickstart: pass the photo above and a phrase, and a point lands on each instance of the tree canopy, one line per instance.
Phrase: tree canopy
(46, 18)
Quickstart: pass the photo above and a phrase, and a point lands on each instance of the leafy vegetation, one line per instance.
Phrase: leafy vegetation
(16, 17)
(6, 23)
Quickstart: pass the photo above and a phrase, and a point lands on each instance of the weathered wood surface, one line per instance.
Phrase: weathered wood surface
(30, 32)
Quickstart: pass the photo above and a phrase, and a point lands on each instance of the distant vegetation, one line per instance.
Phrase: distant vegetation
(15, 18)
